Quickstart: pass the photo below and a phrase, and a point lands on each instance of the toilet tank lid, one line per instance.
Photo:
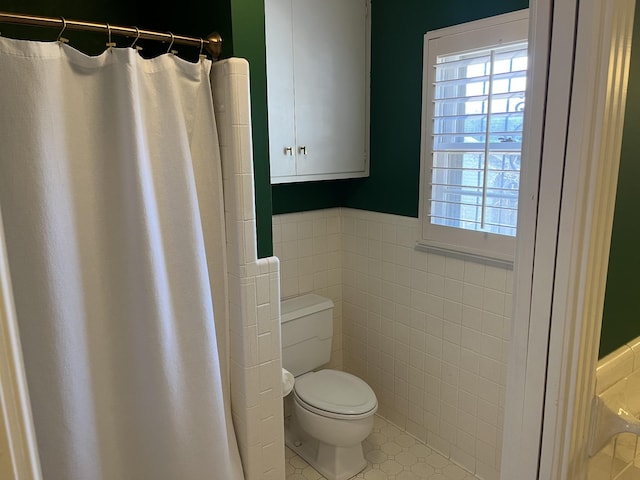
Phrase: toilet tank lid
(303, 305)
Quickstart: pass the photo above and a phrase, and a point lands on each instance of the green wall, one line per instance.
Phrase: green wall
(248, 42)
(621, 318)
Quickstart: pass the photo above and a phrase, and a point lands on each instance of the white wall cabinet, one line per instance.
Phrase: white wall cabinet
(317, 89)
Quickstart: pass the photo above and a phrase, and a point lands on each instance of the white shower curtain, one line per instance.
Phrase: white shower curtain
(111, 200)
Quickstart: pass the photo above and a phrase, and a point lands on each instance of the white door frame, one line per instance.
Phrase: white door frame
(576, 111)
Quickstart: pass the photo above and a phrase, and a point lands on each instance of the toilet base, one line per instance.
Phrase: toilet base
(332, 462)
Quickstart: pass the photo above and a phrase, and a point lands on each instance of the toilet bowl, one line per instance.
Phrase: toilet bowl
(333, 414)
(330, 412)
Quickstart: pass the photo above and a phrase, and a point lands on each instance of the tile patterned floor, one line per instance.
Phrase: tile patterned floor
(391, 455)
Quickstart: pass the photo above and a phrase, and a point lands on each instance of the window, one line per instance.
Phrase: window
(474, 87)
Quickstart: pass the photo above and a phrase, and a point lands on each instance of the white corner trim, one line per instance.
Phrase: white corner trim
(14, 398)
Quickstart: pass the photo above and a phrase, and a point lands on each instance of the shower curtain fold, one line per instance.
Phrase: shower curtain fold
(111, 199)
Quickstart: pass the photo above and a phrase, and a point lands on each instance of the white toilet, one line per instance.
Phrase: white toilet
(331, 411)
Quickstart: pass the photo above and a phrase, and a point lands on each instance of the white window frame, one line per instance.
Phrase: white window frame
(500, 30)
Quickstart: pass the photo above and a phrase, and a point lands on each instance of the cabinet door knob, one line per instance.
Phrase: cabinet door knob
(303, 150)
(288, 150)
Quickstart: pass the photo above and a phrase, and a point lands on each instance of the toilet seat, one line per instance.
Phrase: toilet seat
(335, 394)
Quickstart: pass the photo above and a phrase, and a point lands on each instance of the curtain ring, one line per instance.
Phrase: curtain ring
(171, 44)
(137, 37)
(64, 26)
(109, 43)
(201, 46)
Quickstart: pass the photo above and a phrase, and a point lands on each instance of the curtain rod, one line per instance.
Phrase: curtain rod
(213, 43)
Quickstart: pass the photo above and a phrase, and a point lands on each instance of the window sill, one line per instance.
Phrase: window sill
(503, 261)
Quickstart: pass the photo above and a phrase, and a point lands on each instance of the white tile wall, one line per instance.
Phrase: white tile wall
(309, 246)
(254, 288)
(619, 371)
(429, 333)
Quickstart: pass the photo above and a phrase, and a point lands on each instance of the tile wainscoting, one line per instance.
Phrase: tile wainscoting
(428, 332)
(309, 246)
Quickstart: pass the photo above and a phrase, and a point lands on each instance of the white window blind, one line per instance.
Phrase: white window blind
(475, 79)
(478, 110)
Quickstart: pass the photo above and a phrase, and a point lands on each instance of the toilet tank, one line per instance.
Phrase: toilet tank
(307, 331)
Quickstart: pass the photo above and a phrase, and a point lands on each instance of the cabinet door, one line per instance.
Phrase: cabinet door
(329, 51)
(280, 92)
